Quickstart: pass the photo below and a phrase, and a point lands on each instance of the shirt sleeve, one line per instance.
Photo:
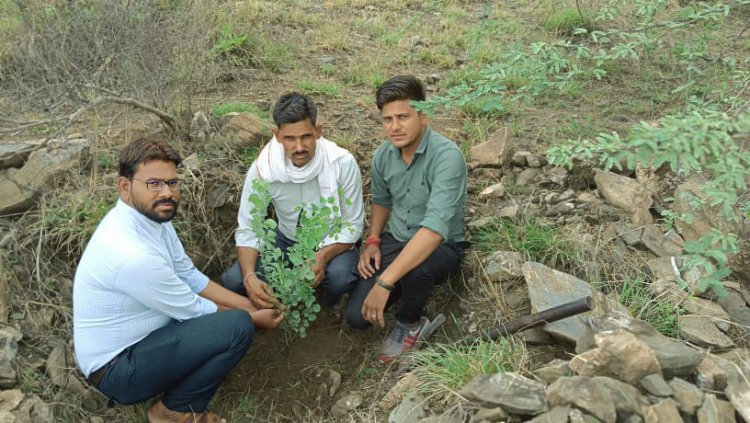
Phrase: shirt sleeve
(149, 279)
(448, 185)
(183, 265)
(353, 215)
(244, 236)
(378, 187)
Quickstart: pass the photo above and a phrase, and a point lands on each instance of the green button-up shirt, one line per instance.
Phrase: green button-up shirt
(430, 192)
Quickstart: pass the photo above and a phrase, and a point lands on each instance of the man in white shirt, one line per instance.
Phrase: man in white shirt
(301, 167)
(145, 320)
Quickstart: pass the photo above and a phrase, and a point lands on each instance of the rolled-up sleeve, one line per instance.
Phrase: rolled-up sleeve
(149, 279)
(449, 182)
(183, 265)
(353, 214)
(244, 236)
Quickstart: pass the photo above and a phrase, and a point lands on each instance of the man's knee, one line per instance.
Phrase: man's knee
(240, 325)
(340, 275)
(354, 318)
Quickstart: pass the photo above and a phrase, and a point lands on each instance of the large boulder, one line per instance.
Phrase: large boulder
(495, 152)
(619, 354)
(245, 130)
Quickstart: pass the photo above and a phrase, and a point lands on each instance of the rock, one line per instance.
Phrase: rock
(14, 154)
(687, 395)
(709, 376)
(577, 416)
(734, 304)
(9, 338)
(56, 368)
(655, 385)
(627, 399)
(192, 163)
(704, 219)
(10, 399)
(555, 415)
(509, 211)
(519, 158)
(495, 152)
(553, 370)
(653, 238)
(526, 177)
(668, 290)
(34, 410)
(96, 419)
(549, 288)
(7, 417)
(560, 209)
(346, 404)
(495, 190)
(675, 358)
(490, 414)
(329, 379)
(4, 291)
(481, 222)
(665, 411)
(514, 393)
(582, 392)
(738, 392)
(219, 196)
(667, 268)
(701, 331)
(715, 410)
(558, 176)
(441, 419)
(620, 354)
(629, 233)
(625, 193)
(245, 130)
(19, 188)
(703, 307)
(200, 129)
(532, 160)
(407, 383)
(410, 410)
(587, 197)
(503, 265)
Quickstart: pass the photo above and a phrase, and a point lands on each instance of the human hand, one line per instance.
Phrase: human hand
(267, 318)
(373, 309)
(259, 292)
(319, 269)
(369, 261)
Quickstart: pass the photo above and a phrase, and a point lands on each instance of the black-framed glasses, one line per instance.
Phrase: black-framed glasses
(153, 184)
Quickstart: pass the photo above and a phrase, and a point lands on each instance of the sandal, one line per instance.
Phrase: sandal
(205, 417)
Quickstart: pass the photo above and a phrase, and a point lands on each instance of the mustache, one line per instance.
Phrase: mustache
(165, 201)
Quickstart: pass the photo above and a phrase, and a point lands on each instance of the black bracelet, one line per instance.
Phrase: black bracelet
(388, 287)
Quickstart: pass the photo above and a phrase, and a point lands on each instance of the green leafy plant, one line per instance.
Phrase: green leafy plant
(238, 107)
(328, 89)
(291, 275)
(231, 46)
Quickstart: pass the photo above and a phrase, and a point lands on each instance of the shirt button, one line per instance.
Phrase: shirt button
(407, 189)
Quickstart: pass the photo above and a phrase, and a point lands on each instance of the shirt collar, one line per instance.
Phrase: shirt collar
(149, 225)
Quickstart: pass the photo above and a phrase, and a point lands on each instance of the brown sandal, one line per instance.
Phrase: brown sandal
(205, 417)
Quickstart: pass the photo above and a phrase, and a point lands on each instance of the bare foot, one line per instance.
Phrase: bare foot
(159, 413)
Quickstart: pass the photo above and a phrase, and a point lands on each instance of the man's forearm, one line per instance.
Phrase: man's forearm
(247, 257)
(378, 218)
(226, 299)
(416, 251)
(331, 251)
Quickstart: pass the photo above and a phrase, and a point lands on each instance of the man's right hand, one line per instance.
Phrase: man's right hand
(369, 261)
(267, 319)
(259, 292)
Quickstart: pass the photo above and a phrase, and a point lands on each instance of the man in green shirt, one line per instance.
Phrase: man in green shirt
(419, 190)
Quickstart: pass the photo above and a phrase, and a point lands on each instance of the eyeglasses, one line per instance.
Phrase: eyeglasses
(158, 184)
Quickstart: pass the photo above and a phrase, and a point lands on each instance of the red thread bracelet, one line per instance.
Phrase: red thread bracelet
(372, 240)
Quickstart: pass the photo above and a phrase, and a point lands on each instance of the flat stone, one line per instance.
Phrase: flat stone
(10, 399)
(490, 414)
(406, 384)
(619, 354)
(57, 370)
(34, 410)
(440, 419)
(346, 404)
(668, 290)
(738, 392)
(715, 410)
(495, 152)
(577, 416)
(708, 308)
(705, 218)
(709, 376)
(734, 304)
(675, 358)
(653, 238)
(410, 410)
(555, 415)
(701, 331)
(665, 411)
(655, 385)
(629, 233)
(687, 395)
(14, 154)
(628, 400)
(527, 177)
(553, 370)
(509, 211)
(582, 392)
(495, 190)
(519, 158)
(513, 393)
(667, 268)
(501, 266)
(245, 130)
(623, 192)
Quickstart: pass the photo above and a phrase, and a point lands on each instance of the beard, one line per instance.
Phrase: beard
(152, 213)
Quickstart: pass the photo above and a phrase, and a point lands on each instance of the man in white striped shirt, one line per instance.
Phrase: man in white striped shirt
(145, 320)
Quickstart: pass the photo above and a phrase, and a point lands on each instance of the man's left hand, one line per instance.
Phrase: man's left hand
(319, 269)
(373, 309)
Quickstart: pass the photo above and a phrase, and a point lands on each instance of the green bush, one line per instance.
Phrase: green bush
(567, 20)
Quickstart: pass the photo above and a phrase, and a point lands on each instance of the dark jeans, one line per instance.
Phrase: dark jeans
(413, 289)
(184, 360)
(339, 278)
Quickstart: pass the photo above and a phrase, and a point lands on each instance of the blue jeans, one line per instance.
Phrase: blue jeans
(339, 278)
(186, 361)
(413, 290)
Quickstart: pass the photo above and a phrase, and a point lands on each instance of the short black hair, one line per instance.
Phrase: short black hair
(294, 107)
(400, 87)
(144, 150)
